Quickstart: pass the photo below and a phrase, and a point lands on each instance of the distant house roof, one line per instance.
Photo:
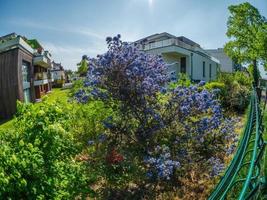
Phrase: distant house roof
(57, 67)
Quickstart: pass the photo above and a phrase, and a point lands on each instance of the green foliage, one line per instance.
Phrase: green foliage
(182, 80)
(83, 67)
(215, 85)
(38, 158)
(87, 120)
(234, 90)
(77, 85)
(247, 29)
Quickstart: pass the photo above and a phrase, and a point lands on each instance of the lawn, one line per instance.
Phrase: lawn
(56, 94)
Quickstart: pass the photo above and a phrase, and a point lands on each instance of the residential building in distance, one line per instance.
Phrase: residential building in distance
(24, 72)
(58, 74)
(182, 56)
(227, 64)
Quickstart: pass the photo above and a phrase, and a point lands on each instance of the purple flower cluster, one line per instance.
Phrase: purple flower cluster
(161, 164)
(125, 72)
(194, 101)
(217, 166)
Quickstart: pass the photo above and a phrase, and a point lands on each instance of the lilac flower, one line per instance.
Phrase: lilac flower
(90, 142)
(217, 166)
(102, 137)
(201, 83)
(161, 165)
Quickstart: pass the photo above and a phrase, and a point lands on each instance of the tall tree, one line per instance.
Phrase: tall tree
(247, 30)
(83, 66)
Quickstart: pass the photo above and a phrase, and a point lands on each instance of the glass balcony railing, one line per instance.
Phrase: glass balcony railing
(40, 76)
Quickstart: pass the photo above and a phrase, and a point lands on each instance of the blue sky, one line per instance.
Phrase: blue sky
(72, 28)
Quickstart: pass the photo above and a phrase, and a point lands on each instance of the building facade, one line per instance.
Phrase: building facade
(182, 56)
(58, 74)
(227, 64)
(24, 73)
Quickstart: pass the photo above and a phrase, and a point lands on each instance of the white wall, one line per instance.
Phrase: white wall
(226, 62)
(198, 68)
(172, 54)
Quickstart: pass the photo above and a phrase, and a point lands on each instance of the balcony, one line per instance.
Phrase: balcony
(168, 42)
(40, 82)
(40, 78)
(42, 58)
(178, 43)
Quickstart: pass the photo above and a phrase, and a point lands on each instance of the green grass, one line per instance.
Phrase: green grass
(56, 95)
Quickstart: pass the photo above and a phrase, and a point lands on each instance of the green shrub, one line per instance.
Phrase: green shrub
(215, 85)
(77, 85)
(234, 90)
(38, 159)
(182, 80)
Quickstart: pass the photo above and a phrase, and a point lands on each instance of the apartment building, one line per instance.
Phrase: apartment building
(182, 56)
(24, 72)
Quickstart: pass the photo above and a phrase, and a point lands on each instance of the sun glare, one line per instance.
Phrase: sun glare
(150, 2)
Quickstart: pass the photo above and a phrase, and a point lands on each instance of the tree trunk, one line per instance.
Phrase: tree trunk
(255, 73)
(256, 79)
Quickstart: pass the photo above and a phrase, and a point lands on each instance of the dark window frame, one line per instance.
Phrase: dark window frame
(204, 69)
(210, 71)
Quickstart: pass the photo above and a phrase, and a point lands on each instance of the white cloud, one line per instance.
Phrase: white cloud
(38, 25)
(69, 56)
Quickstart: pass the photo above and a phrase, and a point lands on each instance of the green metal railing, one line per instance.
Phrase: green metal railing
(244, 178)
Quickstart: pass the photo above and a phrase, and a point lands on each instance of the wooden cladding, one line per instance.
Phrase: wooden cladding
(11, 80)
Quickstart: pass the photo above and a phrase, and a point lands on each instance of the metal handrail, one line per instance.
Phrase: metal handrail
(242, 171)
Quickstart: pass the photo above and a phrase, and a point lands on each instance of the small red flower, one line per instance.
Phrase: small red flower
(114, 157)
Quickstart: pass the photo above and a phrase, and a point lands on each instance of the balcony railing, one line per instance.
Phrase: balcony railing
(179, 43)
(40, 76)
(168, 42)
(42, 58)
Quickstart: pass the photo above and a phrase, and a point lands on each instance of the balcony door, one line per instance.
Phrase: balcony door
(183, 65)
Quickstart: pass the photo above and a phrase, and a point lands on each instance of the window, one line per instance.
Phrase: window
(210, 71)
(204, 70)
(183, 65)
(25, 71)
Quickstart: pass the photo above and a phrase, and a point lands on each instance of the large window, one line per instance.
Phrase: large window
(204, 68)
(25, 71)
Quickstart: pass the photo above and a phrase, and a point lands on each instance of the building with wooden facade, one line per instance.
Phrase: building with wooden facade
(24, 72)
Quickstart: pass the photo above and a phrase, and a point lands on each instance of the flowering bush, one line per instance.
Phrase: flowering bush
(160, 131)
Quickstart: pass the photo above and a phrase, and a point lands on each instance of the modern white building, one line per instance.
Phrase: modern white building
(183, 56)
(227, 64)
